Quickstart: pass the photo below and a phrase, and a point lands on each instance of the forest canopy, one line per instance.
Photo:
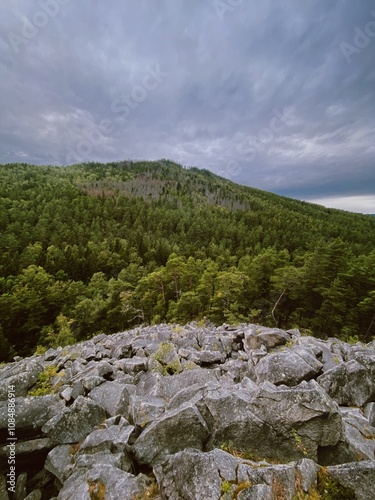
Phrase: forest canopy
(95, 248)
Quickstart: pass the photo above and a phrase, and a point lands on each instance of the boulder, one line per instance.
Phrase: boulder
(325, 351)
(356, 443)
(272, 337)
(28, 449)
(167, 356)
(287, 481)
(100, 481)
(358, 434)
(238, 369)
(256, 336)
(31, 414)
(111, 438)
(122, 348)
(88, 460)
(356, 479)
(89, 351)
(219, 475)
(151, 384)
(74, 422)
(193, 474)
(207, 357)
(59, 460)
(289, 367)
(134, 365)
(90, 382)
(173, 384)
(190, 394)
(114, 397)
(349, 384)
(175, 430)
(208, 340)
(21, 486)
(144, 410)
(276, 422)
(257, 354)
(21, 376)
(369, 411)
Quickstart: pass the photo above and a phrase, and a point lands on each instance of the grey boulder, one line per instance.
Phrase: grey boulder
(74, 422)
(32, 414)
(215, 475)
(357, 478)
(100, 481)
(275, 422)
(175, 430)
(289, 367)
(350, 383)
(113, 396)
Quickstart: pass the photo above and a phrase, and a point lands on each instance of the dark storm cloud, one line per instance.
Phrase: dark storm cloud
(278, 95)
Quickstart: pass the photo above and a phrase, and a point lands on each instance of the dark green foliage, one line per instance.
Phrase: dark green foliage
(102, 247)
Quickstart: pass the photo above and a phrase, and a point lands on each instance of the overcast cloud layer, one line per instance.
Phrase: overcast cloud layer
(279, 95)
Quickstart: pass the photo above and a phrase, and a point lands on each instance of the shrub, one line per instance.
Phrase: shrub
(44, 384)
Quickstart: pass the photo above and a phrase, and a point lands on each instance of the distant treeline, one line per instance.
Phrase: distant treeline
(104, 247)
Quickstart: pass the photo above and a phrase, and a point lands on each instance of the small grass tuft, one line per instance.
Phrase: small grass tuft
(226, 487)
(330, 489)
(245, 454)
(96, 490)
(244, 485)
(149, 493)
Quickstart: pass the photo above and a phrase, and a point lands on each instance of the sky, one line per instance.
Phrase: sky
(278, 95)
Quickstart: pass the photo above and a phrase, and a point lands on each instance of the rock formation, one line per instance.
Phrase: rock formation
(193, 412)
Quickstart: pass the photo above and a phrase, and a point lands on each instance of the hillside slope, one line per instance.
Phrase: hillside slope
(103, 247)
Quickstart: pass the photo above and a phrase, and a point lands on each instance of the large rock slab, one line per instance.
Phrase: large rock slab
(328, 352)
(175, 430)
(357, 478)
(219, 475)
(289, 367)
(31, 414)
(276, 422)
(207, 357)
(357, 442)
(58, 461)
(193, 474)
(153, 384)
(20, 376)
(146, 409)
(74, 422)
(350, 384)
(256, 336)
(111, 439)
(101, 481)
(27, 451)
(199, 377)
(114, 397)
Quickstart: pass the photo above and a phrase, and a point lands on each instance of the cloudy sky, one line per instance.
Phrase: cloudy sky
(279, 95)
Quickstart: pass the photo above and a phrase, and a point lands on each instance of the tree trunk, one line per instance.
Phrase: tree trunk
(276, 304)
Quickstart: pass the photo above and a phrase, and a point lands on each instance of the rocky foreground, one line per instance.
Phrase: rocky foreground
(192, 412)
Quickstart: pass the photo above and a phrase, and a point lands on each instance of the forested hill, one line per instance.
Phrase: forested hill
(104, 247)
